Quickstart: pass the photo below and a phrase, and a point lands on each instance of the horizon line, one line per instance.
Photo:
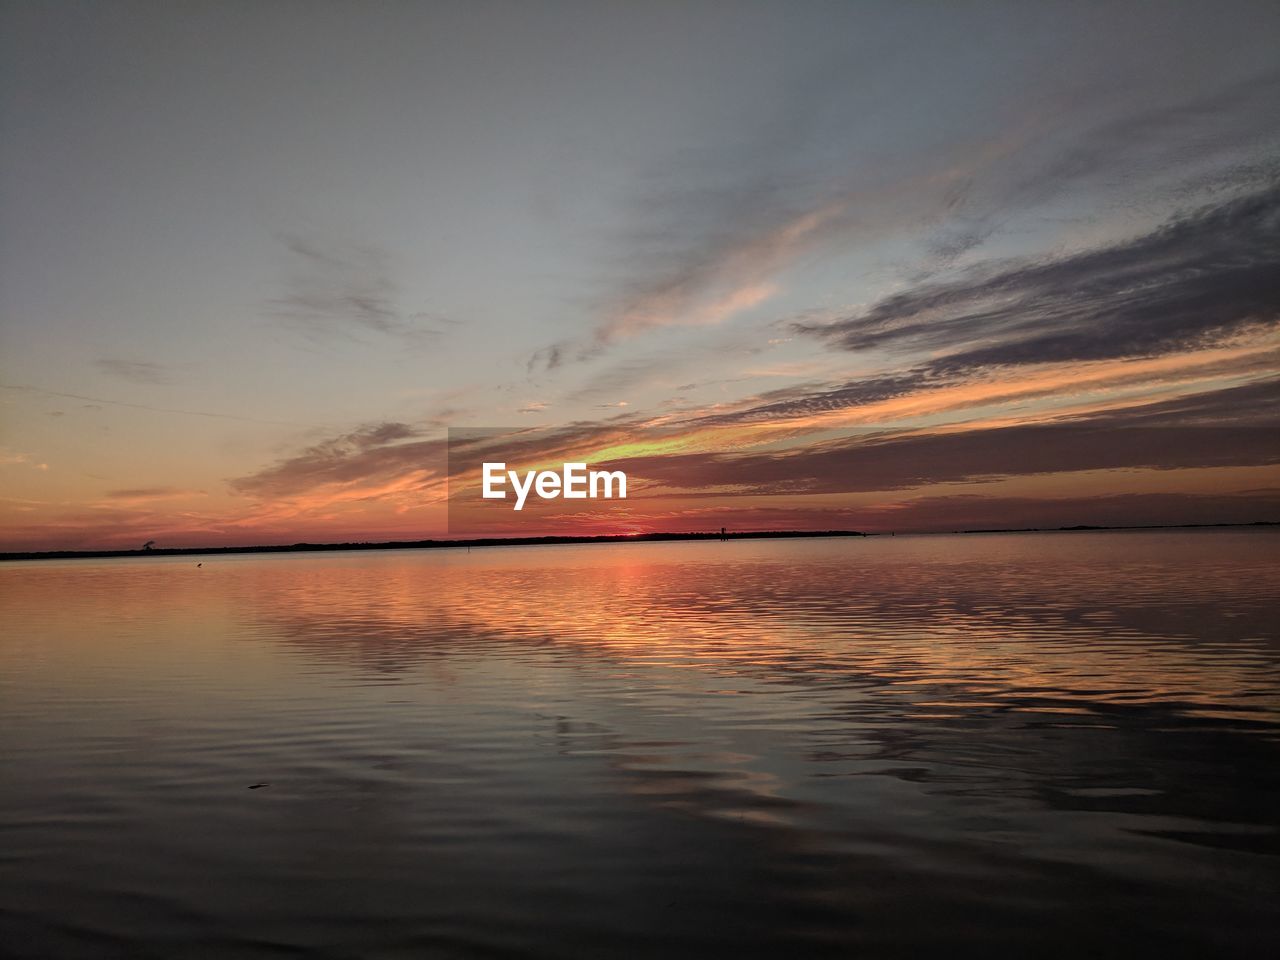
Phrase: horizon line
(565, 539)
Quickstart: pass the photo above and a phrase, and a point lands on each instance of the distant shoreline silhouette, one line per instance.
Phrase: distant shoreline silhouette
(719, 535)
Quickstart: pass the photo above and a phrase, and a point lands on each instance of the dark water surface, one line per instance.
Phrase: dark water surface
(1023, 745)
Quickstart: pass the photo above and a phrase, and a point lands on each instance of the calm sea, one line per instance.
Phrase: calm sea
(1019, 745)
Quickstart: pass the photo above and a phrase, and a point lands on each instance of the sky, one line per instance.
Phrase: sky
(896, 266)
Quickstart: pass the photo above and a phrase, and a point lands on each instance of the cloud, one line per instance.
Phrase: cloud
(809, 399)
(1202, 276)
(547, 358)
(146, 493)
(1105, 415)
(1154, 314)
(142, 495)
(684, 307)
(402, 460)
(344, 291)
(373, 456)
(1218, 141)
(1204, 430)
(16, 458)
(712, 256)
(378, 434)
(98, 402)
(135, 371)
(711, 240)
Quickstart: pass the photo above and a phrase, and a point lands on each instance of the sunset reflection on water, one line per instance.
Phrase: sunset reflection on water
(650, 748)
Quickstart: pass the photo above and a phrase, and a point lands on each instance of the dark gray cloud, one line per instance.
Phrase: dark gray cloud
(1206, 430)
(1202, 276)
(546, 358)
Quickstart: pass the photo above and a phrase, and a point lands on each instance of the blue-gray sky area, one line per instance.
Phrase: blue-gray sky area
(897, 265)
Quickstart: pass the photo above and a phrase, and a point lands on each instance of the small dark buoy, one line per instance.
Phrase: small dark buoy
(199, 564)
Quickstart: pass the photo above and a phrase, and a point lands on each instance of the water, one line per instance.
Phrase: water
(1024, 745)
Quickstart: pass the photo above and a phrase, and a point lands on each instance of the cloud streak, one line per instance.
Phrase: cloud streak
(347, 291)
(1201, 431)
(135, 371)
(373, 459)
(1202, 276)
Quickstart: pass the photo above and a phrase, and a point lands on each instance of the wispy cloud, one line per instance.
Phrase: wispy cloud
(711, 247)
(144, 495)
(96, 403)
(1092, 142)
(8, 458)
(346, 291)
(371, 460)
(135, 371)
(687, 282)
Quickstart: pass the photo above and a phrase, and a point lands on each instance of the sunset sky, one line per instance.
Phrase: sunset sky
(877, 266)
